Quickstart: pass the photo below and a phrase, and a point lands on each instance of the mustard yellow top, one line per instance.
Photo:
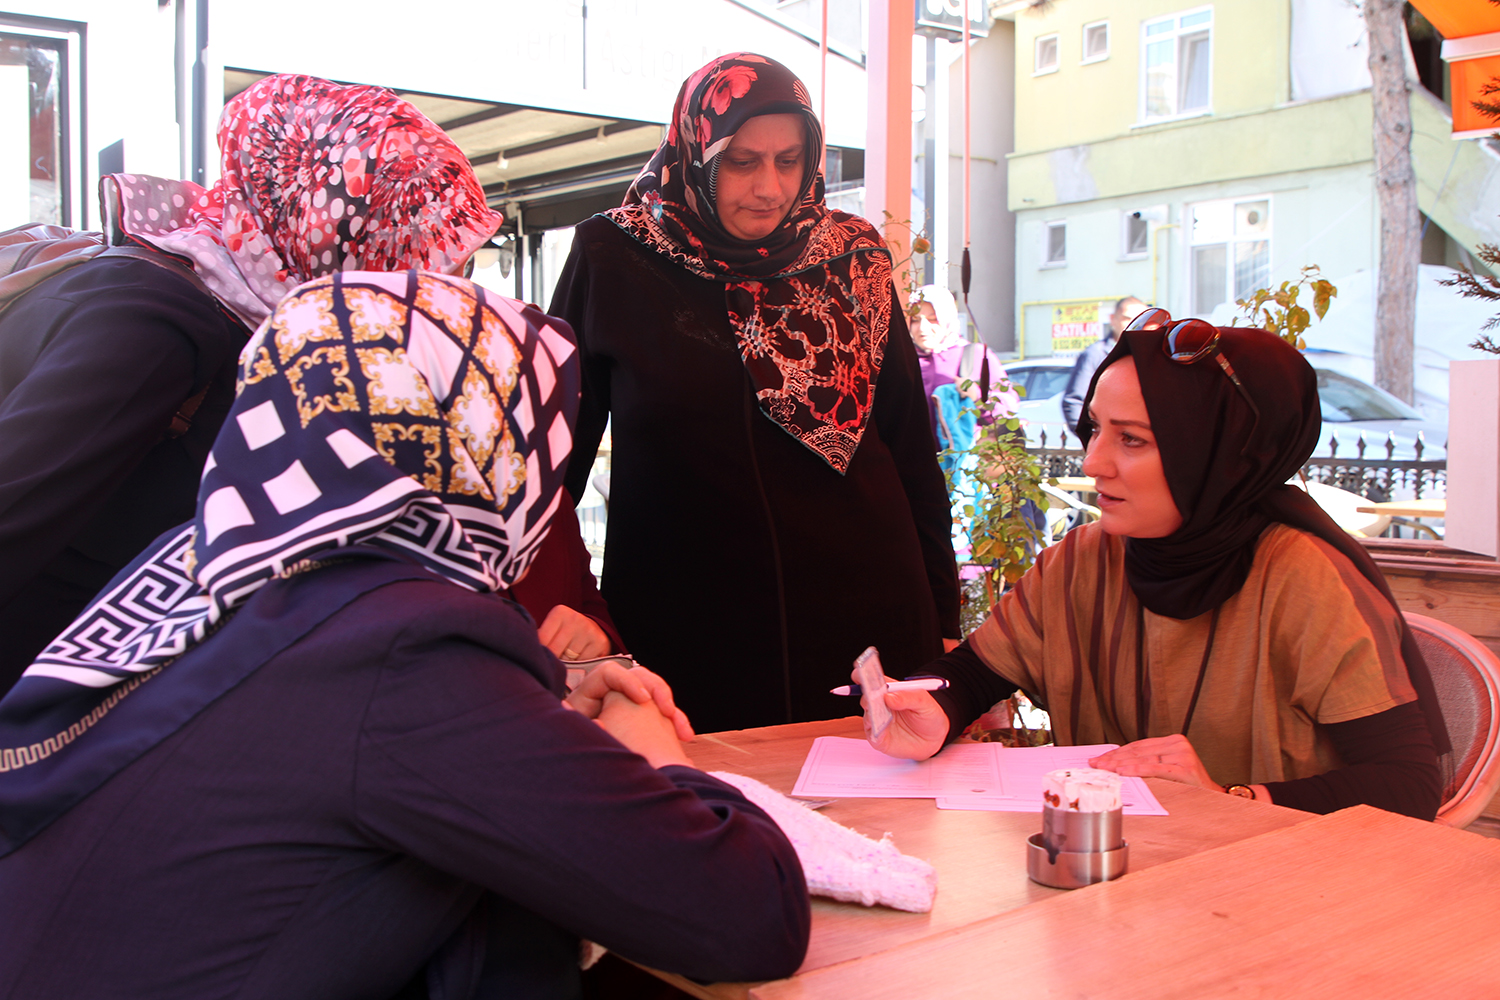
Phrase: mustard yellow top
(1307, 639)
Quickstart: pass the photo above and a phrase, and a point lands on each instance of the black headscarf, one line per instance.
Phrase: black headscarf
(1227, 471)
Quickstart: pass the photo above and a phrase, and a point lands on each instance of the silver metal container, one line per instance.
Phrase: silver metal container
(1073, 869)
(1071, 830)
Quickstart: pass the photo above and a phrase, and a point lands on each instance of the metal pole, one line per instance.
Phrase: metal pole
(929, 159)
(823, 89)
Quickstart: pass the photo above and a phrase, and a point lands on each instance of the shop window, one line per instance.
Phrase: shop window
(1230, 243)
(37, 93)
(1046, 55)
(1176, 64)
(1096, 41)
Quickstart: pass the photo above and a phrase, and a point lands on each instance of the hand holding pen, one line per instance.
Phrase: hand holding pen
(917, 682)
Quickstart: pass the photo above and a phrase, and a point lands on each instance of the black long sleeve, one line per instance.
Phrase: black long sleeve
(1390, 764)
(972, 687)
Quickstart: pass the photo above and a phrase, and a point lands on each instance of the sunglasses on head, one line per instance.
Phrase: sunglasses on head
(1188, 341)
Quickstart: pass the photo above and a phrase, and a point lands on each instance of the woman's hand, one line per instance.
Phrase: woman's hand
(1170, 757)
(637, 684)
(571, 635)
(643, 728)
(918, 729)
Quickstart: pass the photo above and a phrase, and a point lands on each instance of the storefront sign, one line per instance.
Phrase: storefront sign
(1075, 327)
(945, 19)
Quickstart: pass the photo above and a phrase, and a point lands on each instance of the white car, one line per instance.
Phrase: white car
(1352, 409)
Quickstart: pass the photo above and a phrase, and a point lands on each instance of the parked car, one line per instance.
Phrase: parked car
(1351, 408)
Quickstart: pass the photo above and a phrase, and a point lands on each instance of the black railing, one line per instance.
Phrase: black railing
(1377, 479)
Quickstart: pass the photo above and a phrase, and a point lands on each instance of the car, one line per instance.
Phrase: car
(1352, 409)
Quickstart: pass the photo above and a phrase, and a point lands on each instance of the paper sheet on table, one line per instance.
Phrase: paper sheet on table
(1022, 769)
(980, 776)
(838, 767)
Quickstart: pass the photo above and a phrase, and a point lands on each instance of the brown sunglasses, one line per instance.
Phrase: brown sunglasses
(1188, 341)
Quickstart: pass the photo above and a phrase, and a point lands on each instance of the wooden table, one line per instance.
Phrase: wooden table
(1076, 484)
(1408, 508)
(980, 856)
(1361, 904)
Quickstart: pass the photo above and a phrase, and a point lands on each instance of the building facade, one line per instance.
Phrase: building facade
(1189, 154)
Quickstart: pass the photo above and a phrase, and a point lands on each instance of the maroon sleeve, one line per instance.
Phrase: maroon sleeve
(560, 574)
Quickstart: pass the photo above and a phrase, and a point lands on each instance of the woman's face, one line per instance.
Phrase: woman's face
(1123, 459)
(926, 331)
(760, 175)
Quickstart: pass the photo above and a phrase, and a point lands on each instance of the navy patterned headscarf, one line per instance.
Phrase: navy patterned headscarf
(408, 414)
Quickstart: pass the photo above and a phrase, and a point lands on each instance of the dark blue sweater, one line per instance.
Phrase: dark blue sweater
(401, 785)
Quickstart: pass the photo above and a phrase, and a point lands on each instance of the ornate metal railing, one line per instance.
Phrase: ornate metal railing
(1364, 472)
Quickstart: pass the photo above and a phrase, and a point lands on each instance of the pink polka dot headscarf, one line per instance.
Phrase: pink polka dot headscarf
(317, 178)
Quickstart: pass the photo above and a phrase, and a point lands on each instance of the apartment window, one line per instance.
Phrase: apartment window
(1096, 41)
(1230, 251)
(1046, 55)
(38, 89)
(1135, 234)
(1055, 248)
(1176, 64)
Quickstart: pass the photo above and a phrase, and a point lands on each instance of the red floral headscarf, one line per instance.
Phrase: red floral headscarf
(811, 303)
(317, 178)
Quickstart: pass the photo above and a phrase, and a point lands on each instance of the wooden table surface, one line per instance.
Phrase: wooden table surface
(980, 856)
(1361, 904)
(1408, 508)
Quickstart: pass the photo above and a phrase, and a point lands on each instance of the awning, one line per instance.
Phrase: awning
(1471, 48)
(550, 168)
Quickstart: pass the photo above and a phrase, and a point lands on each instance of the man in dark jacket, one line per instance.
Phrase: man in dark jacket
(1088, 362)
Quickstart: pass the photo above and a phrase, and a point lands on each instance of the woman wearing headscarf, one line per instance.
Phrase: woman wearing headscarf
(775, 500)
(116, 374)
(302, 748)
(1214, 620)
(947, 359)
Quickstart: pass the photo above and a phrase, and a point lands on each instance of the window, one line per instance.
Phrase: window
(1175, 64)
(38, 70)
(1048, 382)
(1231, 251)
(1135, 234)
(1096, 41)
(1046, 55)
(1056, 248)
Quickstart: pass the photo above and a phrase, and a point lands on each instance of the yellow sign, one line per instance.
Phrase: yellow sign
(1075, 327)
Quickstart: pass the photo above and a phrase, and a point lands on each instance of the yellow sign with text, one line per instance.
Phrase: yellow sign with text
(1075, 327)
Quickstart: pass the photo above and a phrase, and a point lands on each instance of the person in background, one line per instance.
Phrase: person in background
(1215, 621)
(946, 358)
(775, 498)
(1092, 356)
(116, 374)
(309, 753)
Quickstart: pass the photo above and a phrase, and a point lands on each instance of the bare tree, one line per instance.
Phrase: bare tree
(1396, 183)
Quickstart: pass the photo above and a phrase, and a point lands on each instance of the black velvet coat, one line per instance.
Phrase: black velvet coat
(739, 565)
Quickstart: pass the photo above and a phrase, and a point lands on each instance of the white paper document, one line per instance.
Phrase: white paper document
(981, 776)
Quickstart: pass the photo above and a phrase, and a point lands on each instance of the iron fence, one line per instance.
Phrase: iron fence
(1363, 472)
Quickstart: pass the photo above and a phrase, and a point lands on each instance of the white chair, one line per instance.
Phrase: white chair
(1466, 675)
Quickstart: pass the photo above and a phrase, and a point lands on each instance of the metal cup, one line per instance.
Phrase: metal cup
(1084, 832)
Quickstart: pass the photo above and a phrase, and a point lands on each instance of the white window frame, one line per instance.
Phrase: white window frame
(1047, 228)
(1125, 252)
(1036, 54)
(1229, 243)
(1085, 39)
(75, 211)
(1176, 33)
